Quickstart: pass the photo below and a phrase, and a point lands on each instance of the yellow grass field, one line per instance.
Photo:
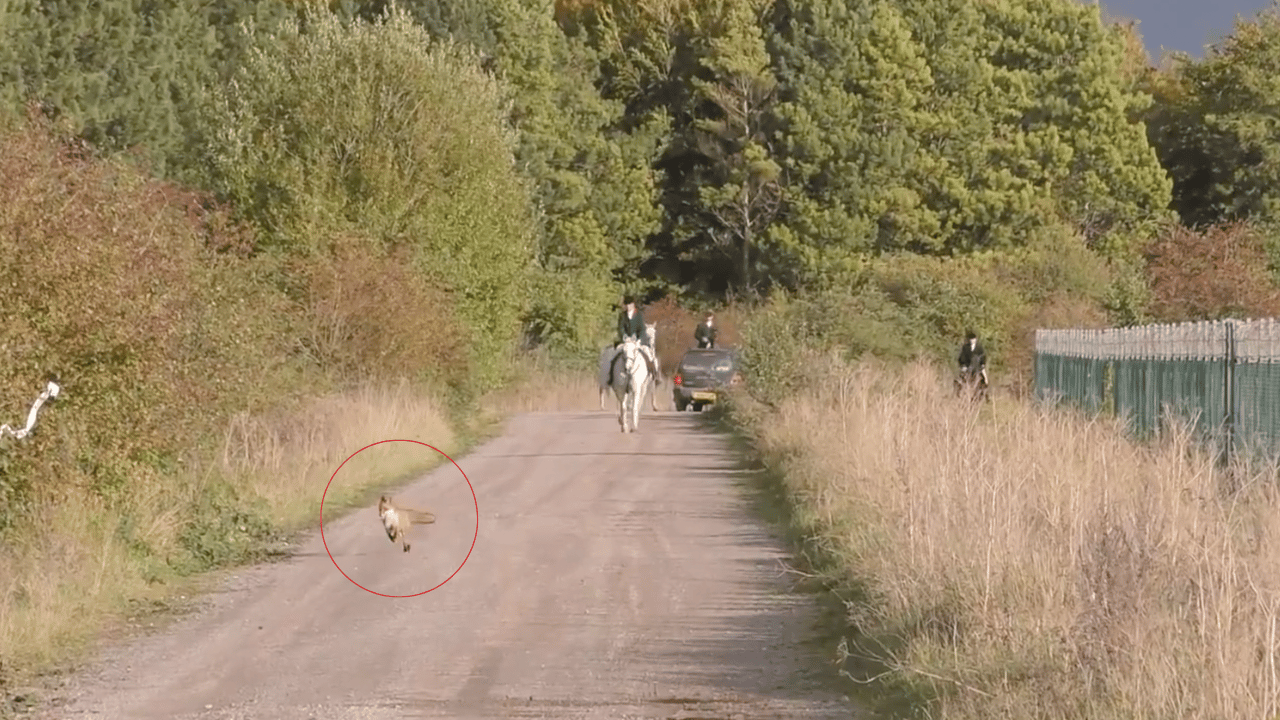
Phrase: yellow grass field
(1019, 562)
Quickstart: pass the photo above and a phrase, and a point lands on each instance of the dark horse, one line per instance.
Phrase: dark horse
(972, 382)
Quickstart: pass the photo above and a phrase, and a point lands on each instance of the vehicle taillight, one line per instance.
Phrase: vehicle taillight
(676, 379)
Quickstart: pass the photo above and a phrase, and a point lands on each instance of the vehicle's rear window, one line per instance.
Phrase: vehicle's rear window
(705, 362)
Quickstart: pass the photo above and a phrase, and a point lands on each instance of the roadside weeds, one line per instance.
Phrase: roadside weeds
(81, 572)
(1023, 562)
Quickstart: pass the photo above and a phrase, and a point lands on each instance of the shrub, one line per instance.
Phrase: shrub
(106, 279)
(906, 306)
(1220, 272)
(374, 129)
(368, 313)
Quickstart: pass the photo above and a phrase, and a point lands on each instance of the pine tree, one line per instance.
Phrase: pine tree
(739, 184)
(855, 112)
(1214, 125)
(125, 74)
(14, 19)
(1065, 80)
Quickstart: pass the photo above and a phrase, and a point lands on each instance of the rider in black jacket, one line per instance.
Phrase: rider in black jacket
(705, 335)
(631, 321)
(973, 358)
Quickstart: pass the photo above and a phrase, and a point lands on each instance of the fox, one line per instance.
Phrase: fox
(397, 520)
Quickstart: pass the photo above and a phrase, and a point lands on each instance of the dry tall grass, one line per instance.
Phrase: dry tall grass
(1022, 562)
(288, 460)
(542, 385)
(67, 572)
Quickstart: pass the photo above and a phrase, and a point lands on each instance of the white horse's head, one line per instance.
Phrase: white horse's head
(651, 333)
(631, 354)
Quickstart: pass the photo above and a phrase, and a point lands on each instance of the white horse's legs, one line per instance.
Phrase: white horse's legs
(635, 396)
(626, 407)
(631, 393)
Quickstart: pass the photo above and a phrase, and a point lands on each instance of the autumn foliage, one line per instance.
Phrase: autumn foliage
(108, 281)
(675, 326)
(1220, 272)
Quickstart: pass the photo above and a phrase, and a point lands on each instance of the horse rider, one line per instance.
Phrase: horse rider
(705, 334)
(973, 357)
(631, 323)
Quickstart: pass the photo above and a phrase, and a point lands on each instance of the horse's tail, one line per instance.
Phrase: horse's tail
(613, 368)
(605, 371)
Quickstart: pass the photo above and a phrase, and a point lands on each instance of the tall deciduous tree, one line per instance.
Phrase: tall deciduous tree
(377, 130)
(590, 171)
(593, 176)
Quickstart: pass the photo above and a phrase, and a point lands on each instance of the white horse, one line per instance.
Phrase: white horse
(629, 374)
(609, 352)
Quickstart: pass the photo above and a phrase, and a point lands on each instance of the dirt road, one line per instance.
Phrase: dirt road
(614, 576)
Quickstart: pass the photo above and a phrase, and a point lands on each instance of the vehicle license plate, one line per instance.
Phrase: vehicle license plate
(704, 396)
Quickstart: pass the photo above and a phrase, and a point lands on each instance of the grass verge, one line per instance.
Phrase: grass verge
(545, 383)
(80, 566)
(1025, 562)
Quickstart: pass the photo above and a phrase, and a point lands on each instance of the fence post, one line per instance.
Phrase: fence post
(1229, 395)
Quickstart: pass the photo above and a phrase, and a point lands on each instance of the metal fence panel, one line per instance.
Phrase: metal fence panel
(1257, 400)
(1223, 377)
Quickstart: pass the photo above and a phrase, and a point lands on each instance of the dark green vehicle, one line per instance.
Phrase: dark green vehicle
(702, 375)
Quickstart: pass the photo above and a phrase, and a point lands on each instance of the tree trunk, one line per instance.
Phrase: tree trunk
(746, 241)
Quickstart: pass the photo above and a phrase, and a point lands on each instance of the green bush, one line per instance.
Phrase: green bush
(224, 528)
(375, 129)
(903, 306)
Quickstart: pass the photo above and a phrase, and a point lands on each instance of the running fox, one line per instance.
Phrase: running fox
(397, 520)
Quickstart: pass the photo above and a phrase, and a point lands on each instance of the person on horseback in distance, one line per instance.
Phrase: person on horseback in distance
(631, 323)
(973, 358)
(705, 334)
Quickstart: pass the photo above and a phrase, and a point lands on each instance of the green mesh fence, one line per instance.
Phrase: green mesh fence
(1256, 387)
(1222, 378)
